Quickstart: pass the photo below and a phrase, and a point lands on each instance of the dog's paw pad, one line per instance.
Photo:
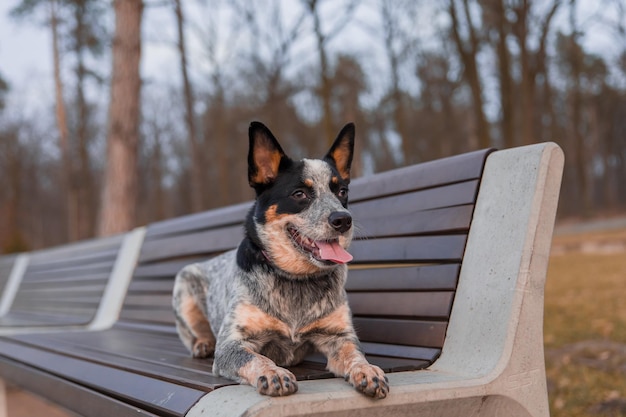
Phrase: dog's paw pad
(277, 382)
(203, 349)
(369, 379)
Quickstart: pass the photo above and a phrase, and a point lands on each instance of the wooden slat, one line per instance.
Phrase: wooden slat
(199, 221)
(28, 318)
(151, 394)
(72, 396)
(409, 278)
(128, 355)
(54, 280)
(401, 332)
(444, 220)
(164, 269)
(406, 304)
(447, 248)
(400, 351)
(155, 286)
(43, 274)
(192, 244)
(388, 364)
(432, 198)
(147, 315)
(85, 248)
(426, 175)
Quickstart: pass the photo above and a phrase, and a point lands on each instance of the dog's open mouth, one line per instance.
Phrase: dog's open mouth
(322, 250)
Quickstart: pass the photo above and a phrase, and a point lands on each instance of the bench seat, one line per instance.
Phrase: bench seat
(417, 280)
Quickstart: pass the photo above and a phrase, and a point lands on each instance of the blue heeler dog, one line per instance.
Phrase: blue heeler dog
(280, 295)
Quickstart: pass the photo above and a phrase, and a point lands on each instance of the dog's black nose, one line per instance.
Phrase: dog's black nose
(340, 221)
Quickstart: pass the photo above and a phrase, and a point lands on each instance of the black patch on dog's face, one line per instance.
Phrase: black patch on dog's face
(288, 193)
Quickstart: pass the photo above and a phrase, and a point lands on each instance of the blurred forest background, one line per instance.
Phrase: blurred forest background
(421, 80)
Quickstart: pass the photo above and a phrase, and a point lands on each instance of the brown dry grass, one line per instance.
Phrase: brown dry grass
(585, 331)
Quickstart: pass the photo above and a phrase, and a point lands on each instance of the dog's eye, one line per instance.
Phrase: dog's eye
(343, 192)
(299, 195)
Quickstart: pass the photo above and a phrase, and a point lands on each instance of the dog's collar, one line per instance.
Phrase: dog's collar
(267, 257)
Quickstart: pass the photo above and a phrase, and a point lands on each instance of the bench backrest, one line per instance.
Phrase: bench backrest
(412, 225)
(64, 285)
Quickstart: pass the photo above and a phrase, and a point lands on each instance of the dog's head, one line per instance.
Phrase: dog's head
(301, 218)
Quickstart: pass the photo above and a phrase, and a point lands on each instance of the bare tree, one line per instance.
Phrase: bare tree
(468, 49)
(195, 149)
(398, 46)
(87, 37)
(532, 62)
(322, 38)
(119, 196)
(26, 8)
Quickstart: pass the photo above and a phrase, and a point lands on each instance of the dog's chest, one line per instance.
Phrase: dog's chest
(288, 341)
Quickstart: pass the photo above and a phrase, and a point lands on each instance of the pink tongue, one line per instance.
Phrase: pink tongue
(332, 251)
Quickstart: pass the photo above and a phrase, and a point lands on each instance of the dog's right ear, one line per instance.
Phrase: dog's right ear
(264, 155)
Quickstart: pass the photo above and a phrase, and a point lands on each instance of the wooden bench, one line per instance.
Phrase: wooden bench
(448, 273)
(72, 286)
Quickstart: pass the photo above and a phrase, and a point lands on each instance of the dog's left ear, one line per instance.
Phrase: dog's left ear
(264, 155)
(342, 151)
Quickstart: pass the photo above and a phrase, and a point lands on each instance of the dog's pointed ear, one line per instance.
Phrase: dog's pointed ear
(342, 151)
(264, 155)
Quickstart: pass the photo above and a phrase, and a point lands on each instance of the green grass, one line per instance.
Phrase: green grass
(586, 302)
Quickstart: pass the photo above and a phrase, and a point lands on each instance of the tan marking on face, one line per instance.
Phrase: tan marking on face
(334, 180)
(308, 182)
(280, 248)
(271, 216)
(336, 322)
(253, 320)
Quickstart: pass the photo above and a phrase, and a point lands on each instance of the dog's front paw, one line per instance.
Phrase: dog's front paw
(203, 348)
(277, 382)
(369, 379)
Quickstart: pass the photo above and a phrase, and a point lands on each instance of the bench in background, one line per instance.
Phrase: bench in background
(75, 285)
(448, 273)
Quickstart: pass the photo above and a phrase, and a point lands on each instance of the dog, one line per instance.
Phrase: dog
(280, 295)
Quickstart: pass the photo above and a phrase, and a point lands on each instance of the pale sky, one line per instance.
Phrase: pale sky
(26, 62)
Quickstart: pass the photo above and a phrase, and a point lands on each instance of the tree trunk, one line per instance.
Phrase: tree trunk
(408, 148)
(196, 154)
(468, 55)
(67, 190)
(118, 204)
(325, 84)
(527, 84)
(82, 181)
(506, 81)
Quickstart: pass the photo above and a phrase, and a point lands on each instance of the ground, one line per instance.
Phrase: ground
(585, 324)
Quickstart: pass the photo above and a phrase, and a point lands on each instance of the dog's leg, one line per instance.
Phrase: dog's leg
(235, 360)
(189, 304)
(335, 337)
(345, 359)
